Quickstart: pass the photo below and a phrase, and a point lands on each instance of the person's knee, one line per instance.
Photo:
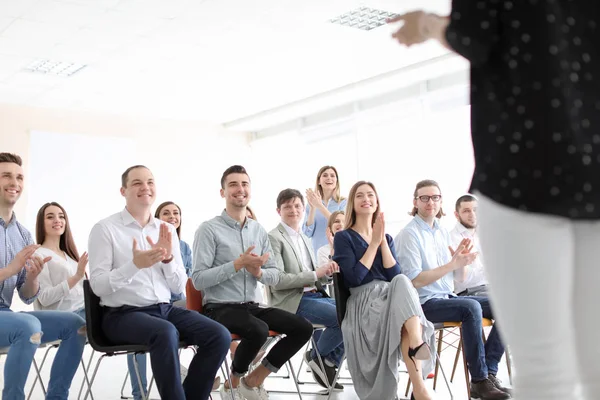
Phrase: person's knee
(472, 309)
(29, 327)
(304, 329)
(222, 339)
(257, 333)
(166, 334)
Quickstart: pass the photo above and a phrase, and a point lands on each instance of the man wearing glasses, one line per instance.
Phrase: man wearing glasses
(426, 257)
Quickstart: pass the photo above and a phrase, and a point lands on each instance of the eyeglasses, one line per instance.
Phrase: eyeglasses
(425, 199)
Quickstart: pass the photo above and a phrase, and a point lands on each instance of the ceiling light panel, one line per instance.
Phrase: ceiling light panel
(363, 18)
(58, 68)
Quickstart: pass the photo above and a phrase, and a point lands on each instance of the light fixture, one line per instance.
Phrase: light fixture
(58, 68)
(363, 18)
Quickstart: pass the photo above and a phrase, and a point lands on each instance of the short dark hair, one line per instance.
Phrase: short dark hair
(464, 199)
(126, 174)
(234, 169)
(11, 158)
(288, 194)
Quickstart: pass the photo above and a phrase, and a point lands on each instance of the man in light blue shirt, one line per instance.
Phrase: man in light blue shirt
(23, 332)
(426, 257)
(233, 253)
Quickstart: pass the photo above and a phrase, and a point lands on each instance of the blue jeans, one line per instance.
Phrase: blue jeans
(160, 327)
(320, 310)
(141, 359)
(470, 310)
(17, 331)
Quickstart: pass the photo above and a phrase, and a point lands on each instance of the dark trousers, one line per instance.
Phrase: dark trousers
(161, 327)
(252, 323)
(481, 359)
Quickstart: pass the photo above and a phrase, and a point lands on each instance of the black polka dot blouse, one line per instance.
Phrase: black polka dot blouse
(535, 101)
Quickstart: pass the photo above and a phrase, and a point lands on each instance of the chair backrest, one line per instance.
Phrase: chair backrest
(341, 295)
(193, 297)
(93, 318)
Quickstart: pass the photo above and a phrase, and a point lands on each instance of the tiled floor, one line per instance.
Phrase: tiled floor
(112, 373)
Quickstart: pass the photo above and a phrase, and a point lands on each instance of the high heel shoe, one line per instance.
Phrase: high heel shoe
(421, 352)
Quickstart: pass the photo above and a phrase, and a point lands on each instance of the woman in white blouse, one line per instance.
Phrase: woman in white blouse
(61, 280)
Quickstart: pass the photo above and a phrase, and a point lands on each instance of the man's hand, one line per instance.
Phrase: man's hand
(34, 266)
(462, 256)
(327, 269)
(165, 240)
(20, 259)
(251, 261)
(147, 258)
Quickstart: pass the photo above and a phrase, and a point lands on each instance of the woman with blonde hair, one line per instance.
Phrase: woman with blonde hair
(384, 321)
(322, 201)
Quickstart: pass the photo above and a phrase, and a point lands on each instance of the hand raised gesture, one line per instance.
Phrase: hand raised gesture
(462, 256)
(379, 229)
(83, 260)
(147, 258)
(165, 240)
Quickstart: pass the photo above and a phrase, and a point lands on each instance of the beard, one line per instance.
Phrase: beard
(468, 225)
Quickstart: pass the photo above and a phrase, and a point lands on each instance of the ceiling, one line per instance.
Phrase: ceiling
(211, 60)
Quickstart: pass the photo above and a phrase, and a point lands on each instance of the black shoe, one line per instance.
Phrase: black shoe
(498, 384)
(420, 352)
(486, 390)
(318, 373)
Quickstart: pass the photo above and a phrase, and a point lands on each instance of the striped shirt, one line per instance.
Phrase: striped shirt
(14, 237)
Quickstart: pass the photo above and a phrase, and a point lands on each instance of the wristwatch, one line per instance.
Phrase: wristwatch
(169, 260)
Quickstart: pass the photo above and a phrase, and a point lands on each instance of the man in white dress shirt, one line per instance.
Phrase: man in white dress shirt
(475, 282)
(135, 264)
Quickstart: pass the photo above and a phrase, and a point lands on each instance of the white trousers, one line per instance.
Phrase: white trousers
(544, 275)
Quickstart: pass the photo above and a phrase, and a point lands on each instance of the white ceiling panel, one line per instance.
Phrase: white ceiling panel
(215, 60)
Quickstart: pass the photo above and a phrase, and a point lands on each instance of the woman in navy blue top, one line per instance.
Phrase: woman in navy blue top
(384, 321)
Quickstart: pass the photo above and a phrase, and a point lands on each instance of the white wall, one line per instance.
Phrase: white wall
(77, 159)
(393, 146)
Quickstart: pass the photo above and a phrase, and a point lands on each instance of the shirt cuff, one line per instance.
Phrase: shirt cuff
(129, 270)
(29, 300)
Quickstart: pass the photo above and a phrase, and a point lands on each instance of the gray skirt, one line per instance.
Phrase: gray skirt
(375, 314)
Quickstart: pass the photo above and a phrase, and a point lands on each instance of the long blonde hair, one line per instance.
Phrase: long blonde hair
(351, 212)
(336, 193)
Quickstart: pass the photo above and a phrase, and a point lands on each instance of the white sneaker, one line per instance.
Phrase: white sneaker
(262, 392)
(226, 394)
(248, 392)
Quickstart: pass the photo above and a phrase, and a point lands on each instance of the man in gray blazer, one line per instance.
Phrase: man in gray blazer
(300, 289)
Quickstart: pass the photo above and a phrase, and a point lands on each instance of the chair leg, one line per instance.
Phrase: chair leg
(86, 370)
(86, 379)
(38, 375)
(302, 362)
(294, 378)
(407, 388)
(136, 367)
(231, 389)
(466, 367)
(89, 390)
(437, 356)
(437, 363)
(458, 352)
(123, 387)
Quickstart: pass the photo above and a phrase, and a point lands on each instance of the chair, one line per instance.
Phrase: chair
(194, 303)
(94, 313)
